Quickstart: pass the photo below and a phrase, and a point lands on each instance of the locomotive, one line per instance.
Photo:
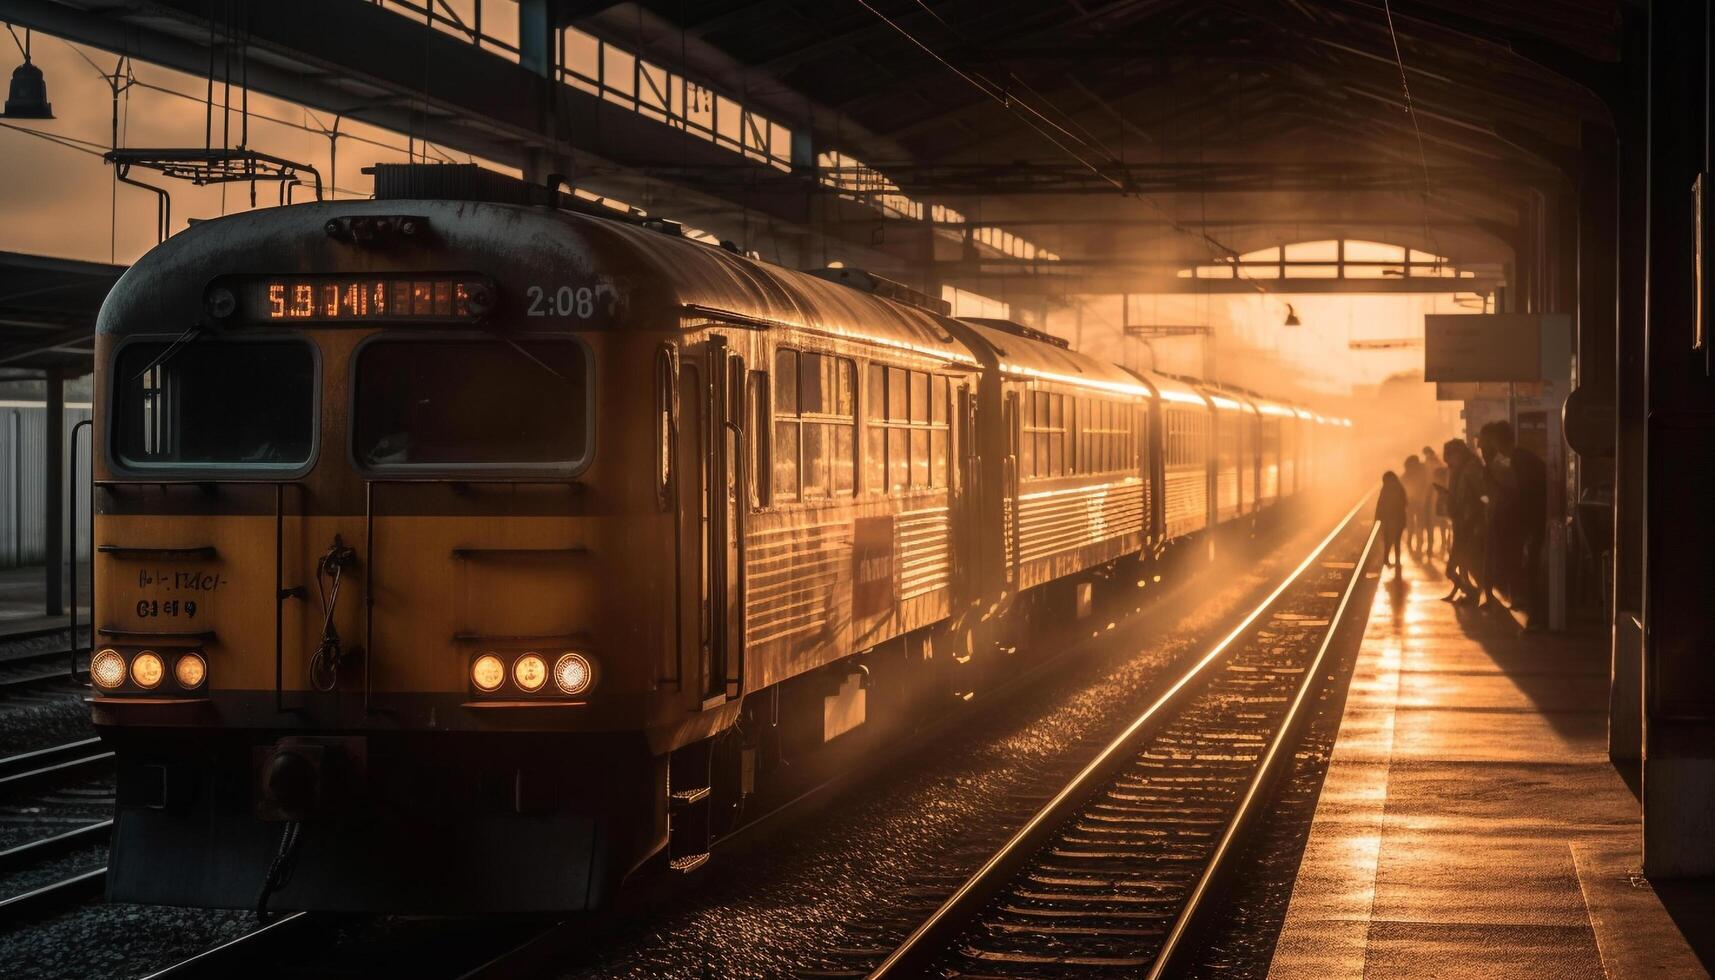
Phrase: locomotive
(464, 550)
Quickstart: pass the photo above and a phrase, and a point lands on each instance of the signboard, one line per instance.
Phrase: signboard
(1484, 346)
(872, 566)
(1470, 391)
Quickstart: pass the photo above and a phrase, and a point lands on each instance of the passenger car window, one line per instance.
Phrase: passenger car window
(907, 443)
(815, 453)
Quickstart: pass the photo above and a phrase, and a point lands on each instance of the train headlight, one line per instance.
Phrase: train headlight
(190, 670)
(530, 672)
(487, 672)
(147, 670)
(107, 670)
(572, 673)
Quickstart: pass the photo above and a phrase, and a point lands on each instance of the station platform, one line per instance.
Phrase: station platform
(1471, 824)
(22, 601)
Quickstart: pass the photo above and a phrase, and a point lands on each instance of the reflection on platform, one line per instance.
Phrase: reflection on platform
(1471, 825)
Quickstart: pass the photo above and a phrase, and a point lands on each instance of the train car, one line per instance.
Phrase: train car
(1294, 447)
(1070, 466)
(1183, 451)
(460, 550)
(1233, 460)
(1274, 433)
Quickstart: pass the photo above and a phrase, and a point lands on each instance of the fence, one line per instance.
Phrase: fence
(23, 535)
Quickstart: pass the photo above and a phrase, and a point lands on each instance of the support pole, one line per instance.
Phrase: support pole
(1679, 524)
(53, 492)
(537, 54)
(1625, 727)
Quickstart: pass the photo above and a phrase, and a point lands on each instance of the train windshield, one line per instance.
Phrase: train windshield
(499, 403)
(199, 403)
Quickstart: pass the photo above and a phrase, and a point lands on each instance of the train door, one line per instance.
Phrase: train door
(723, 525)
(966, 500)
(1009, 492)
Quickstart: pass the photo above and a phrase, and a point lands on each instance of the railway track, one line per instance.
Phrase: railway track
(42, 662)
(1114, 874)
(285, 937)
(56, 789)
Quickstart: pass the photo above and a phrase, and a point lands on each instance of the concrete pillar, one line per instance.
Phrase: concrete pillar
(53, 492)
(1597, 269)
(1679, 523)
(1597, 323)
(1625, 727)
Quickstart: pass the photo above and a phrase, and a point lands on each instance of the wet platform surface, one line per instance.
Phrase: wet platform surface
(1471, 824)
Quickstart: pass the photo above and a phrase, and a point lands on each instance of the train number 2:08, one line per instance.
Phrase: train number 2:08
(565, 301)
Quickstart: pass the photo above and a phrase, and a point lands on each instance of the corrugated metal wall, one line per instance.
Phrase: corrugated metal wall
(22, 534)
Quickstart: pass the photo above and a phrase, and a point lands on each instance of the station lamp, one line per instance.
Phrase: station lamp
(1292, 317)
(28, 96)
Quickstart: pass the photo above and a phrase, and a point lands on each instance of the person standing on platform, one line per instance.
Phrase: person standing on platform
(1466, 507)
(1390, 514)
(1435, 504)
(1501, 557)
(1416, 481)
(1530, 476)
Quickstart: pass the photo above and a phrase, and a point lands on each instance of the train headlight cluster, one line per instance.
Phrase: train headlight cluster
(147, 670)
(190, 671)
(573, 673)
(109, 669)
(529, 672)
(488, 673)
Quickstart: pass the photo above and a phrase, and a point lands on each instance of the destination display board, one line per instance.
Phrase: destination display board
(1483, 346)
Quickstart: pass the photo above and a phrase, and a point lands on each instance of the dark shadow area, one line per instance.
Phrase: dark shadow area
(1691, 905)
(1540, 664)
(1632, 771)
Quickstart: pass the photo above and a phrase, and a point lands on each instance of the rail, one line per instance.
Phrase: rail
(917, 954)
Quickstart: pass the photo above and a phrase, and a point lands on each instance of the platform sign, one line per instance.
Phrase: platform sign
(1484, 346)
(1471, 391)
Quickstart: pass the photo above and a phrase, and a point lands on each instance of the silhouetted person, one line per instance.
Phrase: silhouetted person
(1435, 503)
(1502, 556)
(1466, 507)
(1416, 480)
(1390, 514)
(1530, 478)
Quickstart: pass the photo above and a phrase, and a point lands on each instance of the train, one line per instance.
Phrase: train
(470, 549)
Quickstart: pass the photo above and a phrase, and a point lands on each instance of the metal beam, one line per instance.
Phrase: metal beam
(77, 336)
(364, 62)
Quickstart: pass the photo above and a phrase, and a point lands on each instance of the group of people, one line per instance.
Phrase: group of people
(1488, 512)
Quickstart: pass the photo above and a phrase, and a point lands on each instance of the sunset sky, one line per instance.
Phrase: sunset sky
(63, 200)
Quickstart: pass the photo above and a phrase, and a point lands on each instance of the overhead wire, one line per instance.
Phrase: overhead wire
(1411, 113)
(1012, 104)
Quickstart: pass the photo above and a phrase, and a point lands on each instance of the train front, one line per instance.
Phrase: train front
(380, 621)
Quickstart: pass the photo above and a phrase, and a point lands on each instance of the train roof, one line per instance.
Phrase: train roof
(644, 275)
(1170, 389)
(1022, 356)
(1226, 401)
(705, 280)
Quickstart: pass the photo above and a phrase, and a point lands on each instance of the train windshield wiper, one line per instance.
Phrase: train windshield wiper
(179, 343)
(515, 345)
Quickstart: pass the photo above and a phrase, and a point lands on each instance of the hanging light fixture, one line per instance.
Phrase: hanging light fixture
(1292, 317)
(28, 96)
